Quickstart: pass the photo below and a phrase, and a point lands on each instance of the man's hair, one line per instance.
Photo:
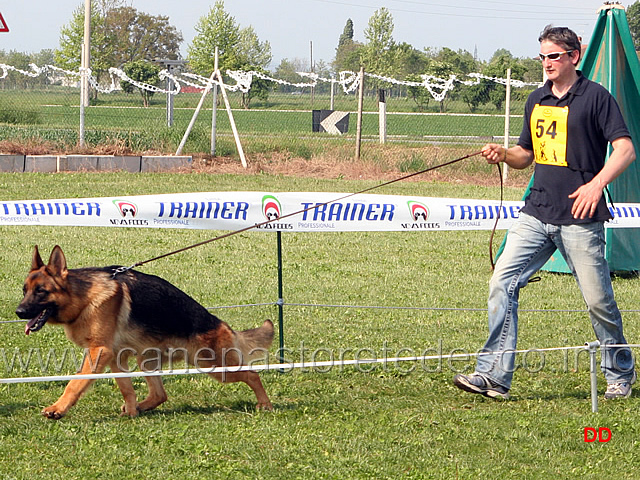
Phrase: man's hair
(562, 36)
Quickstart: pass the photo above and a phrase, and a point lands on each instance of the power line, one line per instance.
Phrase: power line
(544, 16)
(498, 2)
(570, 10)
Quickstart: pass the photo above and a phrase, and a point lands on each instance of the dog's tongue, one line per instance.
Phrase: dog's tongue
(33, 324)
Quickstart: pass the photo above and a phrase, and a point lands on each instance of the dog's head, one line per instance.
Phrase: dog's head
(43, 289)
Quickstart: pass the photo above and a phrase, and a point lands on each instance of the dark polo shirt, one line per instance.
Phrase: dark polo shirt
(593, 120)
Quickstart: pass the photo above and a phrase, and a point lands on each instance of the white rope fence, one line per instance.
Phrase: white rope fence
(349, 81)
(591, 347)
(280, 366)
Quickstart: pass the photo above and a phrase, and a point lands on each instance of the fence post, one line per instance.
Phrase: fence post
(359, 123)
(170, 86)
(382, 116)
(214, 109)
(333, 81)
(593, 369)
(280, 301)
(507, 120)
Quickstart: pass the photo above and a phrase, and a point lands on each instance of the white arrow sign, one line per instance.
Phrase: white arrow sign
(329, 123)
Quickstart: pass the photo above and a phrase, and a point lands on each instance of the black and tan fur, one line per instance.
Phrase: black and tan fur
(134, 314)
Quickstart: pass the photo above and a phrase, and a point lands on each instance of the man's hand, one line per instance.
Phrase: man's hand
(586, 199)
(494, 153)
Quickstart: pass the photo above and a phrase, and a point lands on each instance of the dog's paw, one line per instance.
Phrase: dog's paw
(264, 406)
(52, 413)
(129, 412)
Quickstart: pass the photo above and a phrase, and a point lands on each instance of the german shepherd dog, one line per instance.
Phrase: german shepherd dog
(132, 314)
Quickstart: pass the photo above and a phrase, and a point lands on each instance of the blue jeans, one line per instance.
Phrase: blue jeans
(529, 245)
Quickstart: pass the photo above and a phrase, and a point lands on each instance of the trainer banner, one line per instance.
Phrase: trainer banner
(318, 212)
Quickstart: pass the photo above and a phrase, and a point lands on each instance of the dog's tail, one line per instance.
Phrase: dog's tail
(254, 343)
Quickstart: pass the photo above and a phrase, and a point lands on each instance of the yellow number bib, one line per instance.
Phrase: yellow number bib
(549, 134)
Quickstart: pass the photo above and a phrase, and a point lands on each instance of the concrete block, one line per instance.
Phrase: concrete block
(11, 163)
(119, 163)
(41, 163)
(75, 163)
(162, 164)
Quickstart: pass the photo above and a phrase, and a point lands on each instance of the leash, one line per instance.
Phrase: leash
(495, 225)
(119, 270)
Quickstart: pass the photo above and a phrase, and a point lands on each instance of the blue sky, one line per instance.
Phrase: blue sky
(292, 26)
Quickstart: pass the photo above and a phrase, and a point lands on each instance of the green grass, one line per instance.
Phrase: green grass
(283, 122)
(398, 421)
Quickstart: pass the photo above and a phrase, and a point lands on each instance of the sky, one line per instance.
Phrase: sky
(305, 29)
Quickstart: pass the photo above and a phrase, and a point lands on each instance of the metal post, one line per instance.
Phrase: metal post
(507, 120)
(214, 109)
(333, 81)
(593, 348)
(170, 87)
(85, 62)
(195, 114)
(280, 302)
(82, 112)
(360, 103)
(234, 129)
(86, 51)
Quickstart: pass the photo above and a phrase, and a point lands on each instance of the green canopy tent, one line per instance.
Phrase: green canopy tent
(611, 60)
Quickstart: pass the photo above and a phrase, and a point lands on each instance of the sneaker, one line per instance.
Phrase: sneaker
(620, 389)
(478, 383)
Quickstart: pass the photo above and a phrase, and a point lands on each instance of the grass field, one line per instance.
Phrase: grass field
(393, 421)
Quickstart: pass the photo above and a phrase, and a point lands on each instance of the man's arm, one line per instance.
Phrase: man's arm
(588, 195)
(516, 157)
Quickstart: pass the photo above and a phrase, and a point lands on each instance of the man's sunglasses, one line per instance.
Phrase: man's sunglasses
(554, 55)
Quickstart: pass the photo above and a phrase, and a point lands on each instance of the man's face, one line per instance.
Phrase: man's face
(561, 68)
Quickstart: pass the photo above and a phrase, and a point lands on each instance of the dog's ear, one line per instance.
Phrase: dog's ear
(36, 260)
(57, 263)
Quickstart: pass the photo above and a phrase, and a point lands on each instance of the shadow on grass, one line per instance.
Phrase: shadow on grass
(7, 410)
(236, 407)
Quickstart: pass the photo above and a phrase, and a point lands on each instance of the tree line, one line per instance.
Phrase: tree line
(135, 41)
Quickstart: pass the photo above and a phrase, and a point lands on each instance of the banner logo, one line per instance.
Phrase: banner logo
(127, 209)
(271, 207)
(419, 211)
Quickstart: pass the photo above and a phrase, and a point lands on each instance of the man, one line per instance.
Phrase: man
(568, 125)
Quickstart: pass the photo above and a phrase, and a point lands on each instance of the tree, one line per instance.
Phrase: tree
(288, 70)
(251, 51)
(348, 57)
(67, 55)
(379, 36)
(217, 29)
(446, 62)
(260, 88)
(119, 35)
(532, 70)
(346, 45)
(498, 68)
(633, 17)
(143, 72)
(406, 60)
(419, 94)
(347, 34)
(460, 63)
(139, 36)
(477, 94)
(238, 49)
